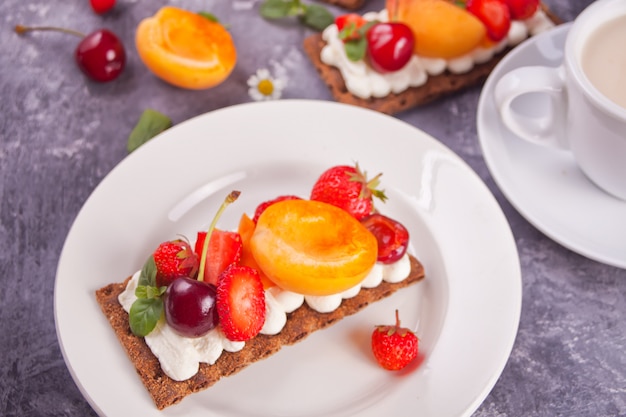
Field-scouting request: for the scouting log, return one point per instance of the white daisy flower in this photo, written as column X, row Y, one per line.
column 265, row 87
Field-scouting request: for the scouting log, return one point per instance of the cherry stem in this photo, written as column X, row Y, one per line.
column 205, row 247
column 20, row 30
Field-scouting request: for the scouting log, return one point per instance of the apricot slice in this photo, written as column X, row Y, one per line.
column 312, row 248
column 441, row 29
column 245, row 230
column 185, row 49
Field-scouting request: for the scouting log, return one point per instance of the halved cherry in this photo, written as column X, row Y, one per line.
column 392, row 237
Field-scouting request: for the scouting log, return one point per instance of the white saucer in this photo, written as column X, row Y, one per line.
column 545, row 185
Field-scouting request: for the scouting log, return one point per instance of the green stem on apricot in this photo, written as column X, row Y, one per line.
column 20, row 30
column 205, row 247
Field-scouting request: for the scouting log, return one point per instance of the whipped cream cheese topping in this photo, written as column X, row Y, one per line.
column 180, row 356
column 362, row 81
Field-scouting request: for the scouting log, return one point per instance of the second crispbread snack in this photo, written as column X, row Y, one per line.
column 346, row 4
column 301, row 323
column 437, row 86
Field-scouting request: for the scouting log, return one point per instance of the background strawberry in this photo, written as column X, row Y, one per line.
column 174, row 259
column 261, row 207
column 240, row 303
column 394, row 347
column 522, row 9
column 348, row 188
column 495, row 16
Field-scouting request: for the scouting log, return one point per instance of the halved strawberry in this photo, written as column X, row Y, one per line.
column 224, row 249
column 240, row 303
column 348, row 25
column 495, row 16
column 522, row 9
column 174, row 259
column 261, row 207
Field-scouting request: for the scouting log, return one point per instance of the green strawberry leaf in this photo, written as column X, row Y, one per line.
column 144, row 315
column 150, row 124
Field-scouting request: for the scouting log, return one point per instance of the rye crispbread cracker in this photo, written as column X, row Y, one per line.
column 346, row 4
column 436, row 87
column 301, row 323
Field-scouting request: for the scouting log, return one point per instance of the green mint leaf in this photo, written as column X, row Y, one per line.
column 355, row 50
column 317, row 17
column 366, row 27
column 147, row 291
column 275, row 9
column 141, row 291
column 209, row 16
column 150, row 124
column 144, row 315
column 147, row 277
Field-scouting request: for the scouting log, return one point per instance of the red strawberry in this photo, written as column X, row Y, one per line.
column 174, row 259
column 394, row 347
column 261, row 207
column 348, row 188
column 495, row 16
column 522, row 9
column 240, row 303
column 348, row 25
column 224, row 249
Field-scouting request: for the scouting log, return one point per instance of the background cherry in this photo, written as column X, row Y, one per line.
column 102, row 6
column 100, row 55
column 389, row 46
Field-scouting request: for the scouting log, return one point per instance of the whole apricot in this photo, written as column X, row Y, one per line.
column 312, row 248
column 186, row 49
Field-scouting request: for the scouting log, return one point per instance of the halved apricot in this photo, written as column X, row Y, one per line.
column 245, row 230
column 312, row 248
column 441, row 28
column 185, row 49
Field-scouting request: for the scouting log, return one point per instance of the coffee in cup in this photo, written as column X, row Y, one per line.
column 587, row 94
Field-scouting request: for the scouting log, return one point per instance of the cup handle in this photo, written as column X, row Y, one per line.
column 547, row 129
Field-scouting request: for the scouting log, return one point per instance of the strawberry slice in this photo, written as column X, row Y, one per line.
column 224, row 249
column 240, row 303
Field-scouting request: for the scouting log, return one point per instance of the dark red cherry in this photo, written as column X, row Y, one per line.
column 102, row 6
column 392, row 237
column 190, row 307
column 101, row 55
column 389, row 46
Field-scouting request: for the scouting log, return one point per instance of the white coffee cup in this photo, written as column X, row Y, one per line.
column 582, row 119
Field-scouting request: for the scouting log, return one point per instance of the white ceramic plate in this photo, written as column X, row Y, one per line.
column 545, row 185
column 466, row 311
